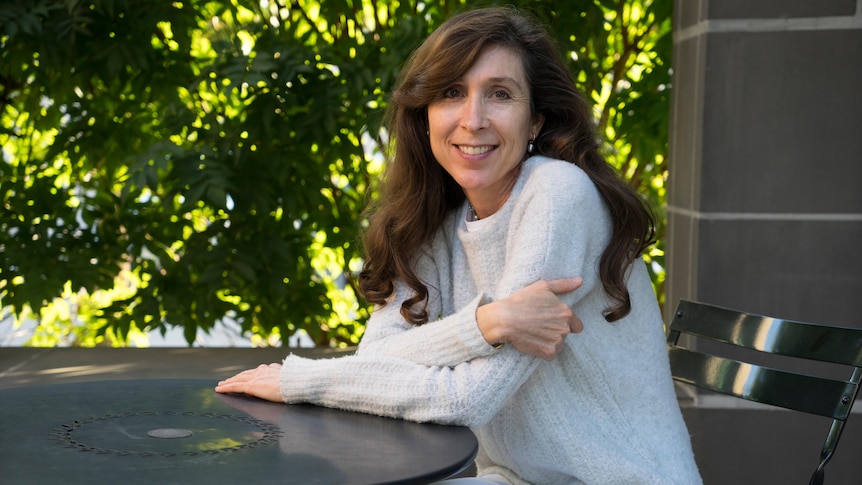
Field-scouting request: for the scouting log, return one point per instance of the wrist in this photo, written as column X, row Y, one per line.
column 490, row 324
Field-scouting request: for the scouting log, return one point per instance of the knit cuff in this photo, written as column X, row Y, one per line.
column 298, row 382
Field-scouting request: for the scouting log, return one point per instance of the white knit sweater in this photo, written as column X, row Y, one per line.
column 603, row 412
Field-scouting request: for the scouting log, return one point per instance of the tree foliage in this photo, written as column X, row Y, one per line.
column 179, row 163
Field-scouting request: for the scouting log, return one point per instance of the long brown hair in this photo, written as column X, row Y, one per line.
column 416, row 193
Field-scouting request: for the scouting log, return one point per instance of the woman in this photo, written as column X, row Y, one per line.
column 495, row 195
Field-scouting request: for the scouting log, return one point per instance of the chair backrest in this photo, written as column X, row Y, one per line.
column 754, row 382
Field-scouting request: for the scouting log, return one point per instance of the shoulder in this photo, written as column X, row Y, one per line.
column 558, row 182
column 556, row 201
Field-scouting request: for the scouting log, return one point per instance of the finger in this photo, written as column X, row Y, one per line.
column 565, row 285
column 244, row 375
column 549, row 353
column 248, row 374
column 575, row 324
column 225, row 387
column 233, row 380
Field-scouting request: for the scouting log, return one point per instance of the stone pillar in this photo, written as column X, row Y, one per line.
column 765, row 203
column 765, row 190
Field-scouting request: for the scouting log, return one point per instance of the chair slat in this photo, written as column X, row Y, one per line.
column 783, row 337
column 814, row 395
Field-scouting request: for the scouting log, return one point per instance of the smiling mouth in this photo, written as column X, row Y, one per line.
column 470, row 150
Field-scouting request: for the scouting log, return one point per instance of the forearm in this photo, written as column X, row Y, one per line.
column 468, row 394
column 446, row 342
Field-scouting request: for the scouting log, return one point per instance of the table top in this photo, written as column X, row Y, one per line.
column 181, row 431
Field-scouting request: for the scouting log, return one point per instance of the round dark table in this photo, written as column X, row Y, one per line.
column 181, row 431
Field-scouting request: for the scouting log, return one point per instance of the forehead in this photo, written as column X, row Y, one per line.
column 498, row 62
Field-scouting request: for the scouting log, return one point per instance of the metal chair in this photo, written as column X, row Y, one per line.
column 785, row 388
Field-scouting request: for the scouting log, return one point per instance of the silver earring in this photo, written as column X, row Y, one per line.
column 530, row 147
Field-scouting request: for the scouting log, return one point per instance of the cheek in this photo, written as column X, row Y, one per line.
column 437, row 120
column 438, row 131
column 438, row 149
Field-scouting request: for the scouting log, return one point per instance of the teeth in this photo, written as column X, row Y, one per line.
column 474, row 150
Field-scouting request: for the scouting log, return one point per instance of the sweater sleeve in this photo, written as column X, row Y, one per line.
column 540, row 245
column 445, row 341
column 468, row 394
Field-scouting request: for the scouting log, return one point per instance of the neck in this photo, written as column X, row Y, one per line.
column 483, row 206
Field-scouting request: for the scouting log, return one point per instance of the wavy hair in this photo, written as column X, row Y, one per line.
column 416, row 193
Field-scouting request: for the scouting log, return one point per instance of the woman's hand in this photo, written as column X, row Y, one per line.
column 534, row 320
column 262, row 382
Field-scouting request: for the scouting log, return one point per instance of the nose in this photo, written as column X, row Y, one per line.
column 474, row 116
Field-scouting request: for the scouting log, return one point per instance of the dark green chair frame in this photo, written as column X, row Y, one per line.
column 788, row 389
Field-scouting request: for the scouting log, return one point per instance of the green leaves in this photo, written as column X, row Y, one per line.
column 179, row 163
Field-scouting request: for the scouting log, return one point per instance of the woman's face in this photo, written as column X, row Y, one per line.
column 481, row 125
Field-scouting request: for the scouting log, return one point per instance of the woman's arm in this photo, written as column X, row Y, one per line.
column 533, row 320
column 468, row 394
column 561, row 232
column 443, row 342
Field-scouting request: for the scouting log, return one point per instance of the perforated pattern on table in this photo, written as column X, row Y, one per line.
column 165, row 434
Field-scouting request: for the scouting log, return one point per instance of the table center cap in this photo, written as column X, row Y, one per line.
column 169, row 433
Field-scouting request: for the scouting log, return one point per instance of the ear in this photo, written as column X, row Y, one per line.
column 536, row 125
